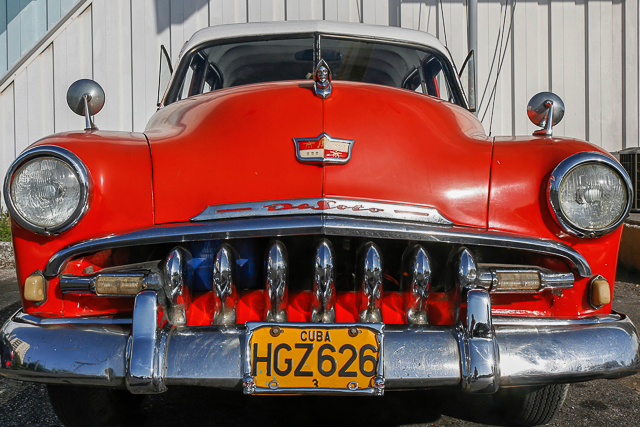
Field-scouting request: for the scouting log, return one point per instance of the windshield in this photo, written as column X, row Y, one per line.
column 255, row 61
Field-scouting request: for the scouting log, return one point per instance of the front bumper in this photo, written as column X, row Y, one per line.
column 145, row 354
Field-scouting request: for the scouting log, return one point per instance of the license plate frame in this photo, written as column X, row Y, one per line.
column 375, row 387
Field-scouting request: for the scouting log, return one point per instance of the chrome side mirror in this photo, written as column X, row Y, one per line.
column 467, row 77
column 86, row 98
column 546, row 110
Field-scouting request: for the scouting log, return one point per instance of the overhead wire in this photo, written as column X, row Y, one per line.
column 499, row 39
column 444, row 26
column 501, row 63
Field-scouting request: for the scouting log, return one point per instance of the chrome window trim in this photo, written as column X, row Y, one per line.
column 77, row 166
column 320, row 224
column 557, row 177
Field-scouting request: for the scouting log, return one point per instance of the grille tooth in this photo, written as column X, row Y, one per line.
column 419, row 286
column 324, row 288
column 224, row 287
column 466, row 272
column 174, row 272
column 370, row 281
column 277, row 266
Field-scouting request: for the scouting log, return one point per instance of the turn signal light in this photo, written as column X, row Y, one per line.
column 34, row 287
column 600, row 292
column 119, row 284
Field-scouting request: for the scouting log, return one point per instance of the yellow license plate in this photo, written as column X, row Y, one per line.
column 308, row 358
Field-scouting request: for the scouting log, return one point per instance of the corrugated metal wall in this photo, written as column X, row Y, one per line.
column 586, row 51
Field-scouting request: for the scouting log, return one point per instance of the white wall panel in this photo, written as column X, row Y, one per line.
column 266, row 10
column 72, row 60
column 494, row 54
column 7, row 143
column 187, row 17
column 420, row 15
column 21, row 111
column 568, row 62
column 375, row 12
column 152, row 31
column 227, row 11
column 40, row 102
column 343, row 10
column 7, row 125
column 631, row 75
column 112, row 62
column 304, row 10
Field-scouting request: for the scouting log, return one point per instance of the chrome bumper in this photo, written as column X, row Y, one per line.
column 147, row 357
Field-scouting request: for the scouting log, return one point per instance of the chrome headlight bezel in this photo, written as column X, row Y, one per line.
column 78, row 168
column 567, row 166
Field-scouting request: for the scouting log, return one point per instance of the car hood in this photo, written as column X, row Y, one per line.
column 236, row 146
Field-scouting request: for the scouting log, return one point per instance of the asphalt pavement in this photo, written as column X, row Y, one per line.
column 591, row 404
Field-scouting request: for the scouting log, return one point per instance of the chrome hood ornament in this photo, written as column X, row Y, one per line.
column 322, row 80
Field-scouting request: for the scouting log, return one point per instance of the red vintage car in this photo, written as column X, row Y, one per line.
column 313, row 209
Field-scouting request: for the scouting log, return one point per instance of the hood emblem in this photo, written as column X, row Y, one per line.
column 322, row 80
column 323, row 149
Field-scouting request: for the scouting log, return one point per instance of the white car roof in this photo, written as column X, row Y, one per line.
column 379, row 32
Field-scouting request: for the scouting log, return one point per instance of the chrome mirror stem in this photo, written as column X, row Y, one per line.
column 89, row 125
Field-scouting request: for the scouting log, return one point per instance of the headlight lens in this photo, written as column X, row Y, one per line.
column 592, row 196
column 45, row 192
column 46, row 189
column 589, row 194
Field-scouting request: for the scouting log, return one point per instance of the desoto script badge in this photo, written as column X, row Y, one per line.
column 323, row 149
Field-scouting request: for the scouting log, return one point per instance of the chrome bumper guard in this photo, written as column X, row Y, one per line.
column 146, row 354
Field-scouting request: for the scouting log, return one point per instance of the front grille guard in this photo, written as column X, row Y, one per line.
column 321, row 224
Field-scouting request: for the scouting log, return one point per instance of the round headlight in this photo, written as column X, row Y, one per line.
column 589, row 194
column 46, row 189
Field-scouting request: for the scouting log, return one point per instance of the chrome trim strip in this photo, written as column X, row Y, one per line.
column 320, row 224
column 76, row 165
column 341, row 207
column 541, row 321
column 20, row 316
column 562, row 170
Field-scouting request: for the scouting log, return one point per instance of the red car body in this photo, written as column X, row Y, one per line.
column 233, row 146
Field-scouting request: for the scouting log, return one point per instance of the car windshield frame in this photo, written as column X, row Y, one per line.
column 448, row 68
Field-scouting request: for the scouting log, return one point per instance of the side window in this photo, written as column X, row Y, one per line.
column 436, row 81
column 187, row 84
